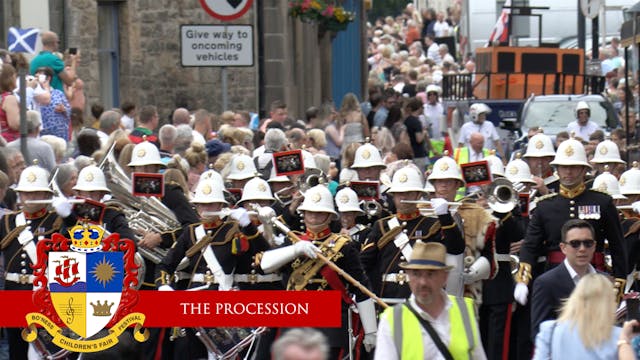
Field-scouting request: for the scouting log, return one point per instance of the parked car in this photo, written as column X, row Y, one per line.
column 553, row 113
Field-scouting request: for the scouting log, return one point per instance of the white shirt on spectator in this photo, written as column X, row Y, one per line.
column 127, row 122
column 434, row 115
column 442, row 29
column 433, row 53
column 582, row 131
column 486, row 129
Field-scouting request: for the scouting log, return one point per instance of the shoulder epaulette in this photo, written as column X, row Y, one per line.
column 545, row 197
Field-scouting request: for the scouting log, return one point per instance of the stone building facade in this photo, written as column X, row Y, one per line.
column 130, row 50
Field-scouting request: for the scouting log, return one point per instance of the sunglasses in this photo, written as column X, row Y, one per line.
column 576, row 243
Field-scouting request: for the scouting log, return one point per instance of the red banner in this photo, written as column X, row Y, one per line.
column 209, row 308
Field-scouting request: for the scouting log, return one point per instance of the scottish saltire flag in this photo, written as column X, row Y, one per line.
column 23, row 40
column 500, row 31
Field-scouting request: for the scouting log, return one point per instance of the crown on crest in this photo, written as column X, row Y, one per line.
column 86, row 238
column 102, row 309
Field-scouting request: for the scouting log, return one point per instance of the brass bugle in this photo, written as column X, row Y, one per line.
column 49, row 201
column 452, row 203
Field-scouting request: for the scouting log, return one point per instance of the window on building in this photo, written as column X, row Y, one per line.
column 108, row 55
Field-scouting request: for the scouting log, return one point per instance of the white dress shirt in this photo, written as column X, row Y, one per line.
column 574, row 275
column 582, row 131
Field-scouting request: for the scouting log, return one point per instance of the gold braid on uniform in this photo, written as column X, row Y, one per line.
column 618, row 288
column 10, row 236
column 164, row 278
column 524, row 273
column 388, row 236
column 206, row 240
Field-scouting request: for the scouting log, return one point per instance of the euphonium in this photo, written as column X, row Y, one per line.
column 371, row 208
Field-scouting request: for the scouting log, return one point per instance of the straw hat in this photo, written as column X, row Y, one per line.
column 427, row 256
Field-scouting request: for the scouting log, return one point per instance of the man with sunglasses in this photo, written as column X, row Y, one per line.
column 578, row 246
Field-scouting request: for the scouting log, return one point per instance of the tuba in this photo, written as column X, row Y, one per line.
column 501, row 196
column 144, row 214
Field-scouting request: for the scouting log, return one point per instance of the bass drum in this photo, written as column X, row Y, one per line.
column 142, row 269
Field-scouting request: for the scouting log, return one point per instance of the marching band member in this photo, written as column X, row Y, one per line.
column 213, row 247
column 608, row 154
column 19, row 233
column 392, row 238
column 539, row 154
column 239, row 170
column 349, row 209
column 630, row 187
column 369, row 166
column 543, row 233
column 304, row 271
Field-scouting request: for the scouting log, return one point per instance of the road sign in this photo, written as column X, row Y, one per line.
column 216, row 45
column 226, row 10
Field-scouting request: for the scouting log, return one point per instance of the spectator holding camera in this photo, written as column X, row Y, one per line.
column 48, row 58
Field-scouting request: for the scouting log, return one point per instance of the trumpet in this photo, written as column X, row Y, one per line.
column 50, row 201
column 501, row 196
column 306, row 181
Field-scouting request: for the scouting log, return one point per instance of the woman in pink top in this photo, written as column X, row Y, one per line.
column 9, row 109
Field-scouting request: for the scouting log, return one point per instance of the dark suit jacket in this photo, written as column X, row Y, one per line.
column 548, row 291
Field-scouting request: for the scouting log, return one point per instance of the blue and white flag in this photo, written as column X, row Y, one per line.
column 23, row 40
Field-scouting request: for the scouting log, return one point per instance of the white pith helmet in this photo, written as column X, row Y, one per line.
column 434, row 88
column 609, row 184
column 477, row 109
column 91, row 178
column 347, row 200
column 406, row 179
column 241, row 167
column 540, row 145
column 34, row 178
column 145, row 153
column 256, row 189
column 630, row 181
column 213, row 175
column 607, row 152
column 445, row 168
column 495, row 164
column 367, row 156
column 428, row 187
column 318, row 199
column 571, row 152
column 517, row 171
column 208, row 191
column 582, row 105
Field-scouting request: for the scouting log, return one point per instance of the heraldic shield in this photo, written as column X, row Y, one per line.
column 86, row 283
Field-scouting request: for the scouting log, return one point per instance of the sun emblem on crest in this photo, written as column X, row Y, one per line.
column 31, row 177
column 206, row 189
column 141, row 153
column 569, row 151
column 603, row 150
column 366, row 154
column 344, row 199
column 444, row 166
column 403, row 178
column 89, row 177
column 316, row 198
column 623, row 180
column 539, row 144
column 513, row 170
column 240, row 165
column 262, row 188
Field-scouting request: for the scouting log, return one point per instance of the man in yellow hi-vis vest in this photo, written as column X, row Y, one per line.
column 431, row 324
column 475, row 151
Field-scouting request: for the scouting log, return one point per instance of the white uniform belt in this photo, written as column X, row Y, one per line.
column 256, row 278
column 19, row 278
column 396, row 278
column 202, row 278
column 503, row 257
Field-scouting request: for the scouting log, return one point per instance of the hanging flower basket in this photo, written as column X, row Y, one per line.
column 326, row 14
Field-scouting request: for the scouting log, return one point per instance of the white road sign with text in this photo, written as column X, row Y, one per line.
column 216, row 45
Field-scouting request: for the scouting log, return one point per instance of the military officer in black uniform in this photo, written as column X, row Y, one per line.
column 213, row 247
column 391, row 239
column 574, row 200
column 368, row 163
column 630, row 187
column 302, row 269
column 19, row 233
